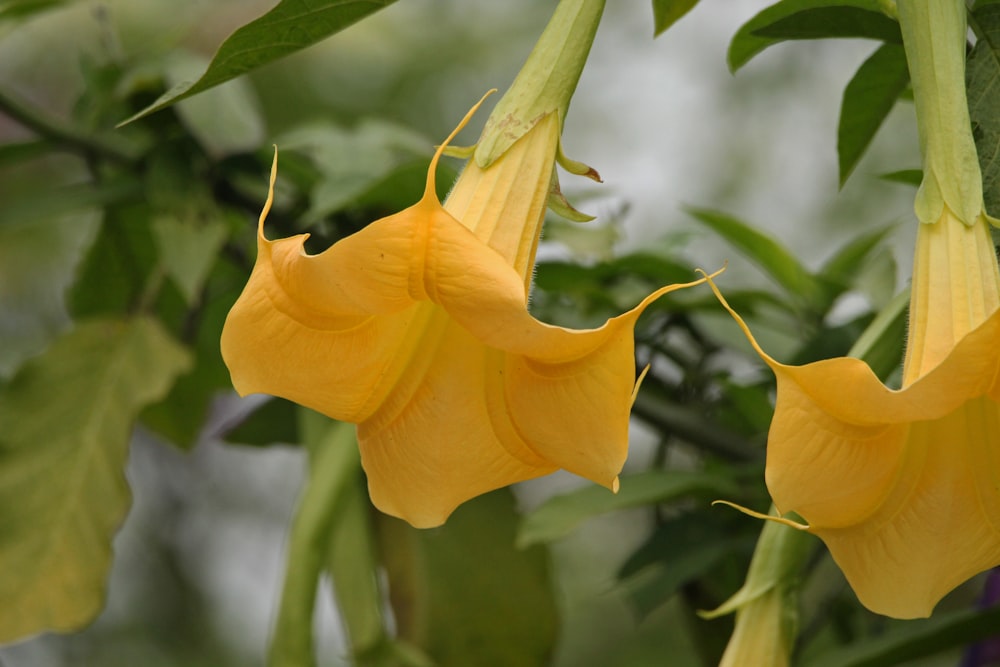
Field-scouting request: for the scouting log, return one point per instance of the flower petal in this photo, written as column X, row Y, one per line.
column 569, row 392
column 443, row 437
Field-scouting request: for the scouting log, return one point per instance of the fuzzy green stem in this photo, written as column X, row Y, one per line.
column 546, row 82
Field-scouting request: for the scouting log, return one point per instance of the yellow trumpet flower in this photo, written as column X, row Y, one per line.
column 903, row 485
column 416, row 329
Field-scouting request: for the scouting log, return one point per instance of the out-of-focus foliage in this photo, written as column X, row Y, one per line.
column 122, row 250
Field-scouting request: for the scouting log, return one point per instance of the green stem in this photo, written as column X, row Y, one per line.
column 333, row 463
column 61, row 133
column 934, row 37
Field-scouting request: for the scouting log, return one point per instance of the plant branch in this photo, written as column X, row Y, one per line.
column 61, row 133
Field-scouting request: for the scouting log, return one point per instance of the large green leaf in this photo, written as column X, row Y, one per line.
column 668, row 12
column 65, row 422
column 560, row 515
column 464, row 594
column 810, row 19
column 291, row 26
column 775, row 259
column 868, row 99
column 983, row 80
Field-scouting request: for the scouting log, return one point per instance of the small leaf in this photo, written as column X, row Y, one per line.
column 668, row 12
column 983, row 81
column 560, row 515
column 905, row 176
column 776, row 260
column 291, row 26
column 868, row 99
column 810, row 19
column 188, row 248
column 65, row 423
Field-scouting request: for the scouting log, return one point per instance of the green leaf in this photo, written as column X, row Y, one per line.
column 38, row 259
column 843, row 267
column 810, row 19
column 65, row 423
column 904, row 176
column 680, row 550
column 275, row 421
column 983, row 81
column 915, row 640
column 560, row 515
column 868, row 99
column 291, row 26
column 767, row 253
column 224, row 120
column 188, row 248
column 668, row 12
column 463, row 590
column 118, row 265
column 20, row 9
column 351, row 162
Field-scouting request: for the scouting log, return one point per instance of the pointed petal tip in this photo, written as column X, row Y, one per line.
column 430, row 190
column 766, row 517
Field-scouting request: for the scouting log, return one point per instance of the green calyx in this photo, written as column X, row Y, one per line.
column 546, row 82
column 934, row 36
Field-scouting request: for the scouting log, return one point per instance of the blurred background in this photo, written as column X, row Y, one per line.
column 200, row 559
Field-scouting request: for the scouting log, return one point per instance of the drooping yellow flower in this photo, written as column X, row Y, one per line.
column 903, row 485
column 416, row 329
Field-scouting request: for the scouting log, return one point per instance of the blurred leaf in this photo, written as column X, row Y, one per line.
column 843, row 267
column 275, row 421
column 680, row 550
column 776, row 260
column 668, row 12
column 983, row 80
column 868, row 99
column 65, row 423
column 188, row 248
column 119, row 264
column 915, row 640
column 38, row 260
column 224, row 120
column 464, row 594
column 69, row 199
column 181, row 416
column 290, row 26
column 20, row 9
column 584, row 241
column 352, row 162
column 14, row 153
column 905, row 176
column 810, row 19
column 560, row 515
